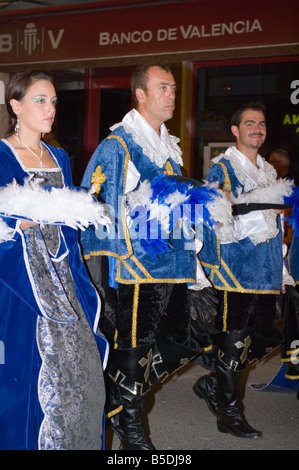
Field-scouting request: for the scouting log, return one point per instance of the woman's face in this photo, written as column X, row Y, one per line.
column 36, row 111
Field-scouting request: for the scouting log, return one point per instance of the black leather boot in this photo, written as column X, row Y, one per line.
column 130, row 423
column 234, row 350
column 230, row 417
column 129, row 369
column 168, row 356
column 206, row 387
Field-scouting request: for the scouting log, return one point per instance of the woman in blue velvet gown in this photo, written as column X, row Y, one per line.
column 51, row 374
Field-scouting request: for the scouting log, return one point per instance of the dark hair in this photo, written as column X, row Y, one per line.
column 17, row 88
column 140, row 77
column 237, row 115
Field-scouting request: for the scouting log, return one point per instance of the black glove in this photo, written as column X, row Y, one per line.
column 203, row 310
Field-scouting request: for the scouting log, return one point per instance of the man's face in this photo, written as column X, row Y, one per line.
column 157, row 103
column 251, row 133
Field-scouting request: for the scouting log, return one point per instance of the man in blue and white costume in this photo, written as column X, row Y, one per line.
column 152, row 322
column 246, row 268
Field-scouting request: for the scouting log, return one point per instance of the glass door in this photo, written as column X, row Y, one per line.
column 90, row 101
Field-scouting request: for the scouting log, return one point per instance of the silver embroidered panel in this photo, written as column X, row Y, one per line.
column 71, row 386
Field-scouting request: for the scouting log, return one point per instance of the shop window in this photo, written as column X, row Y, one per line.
column 221, row 89
column 114, row 104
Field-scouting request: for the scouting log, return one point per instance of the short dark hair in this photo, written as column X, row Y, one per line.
column 237, row 115
column 140, row 76
column 17, row 88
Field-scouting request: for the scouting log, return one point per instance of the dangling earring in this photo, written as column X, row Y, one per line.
column 17, row 127
column 43, row 135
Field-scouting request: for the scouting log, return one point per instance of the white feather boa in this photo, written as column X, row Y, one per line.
column 273, row 194
column 246, row 225
column 218, row 207
column 75, row 208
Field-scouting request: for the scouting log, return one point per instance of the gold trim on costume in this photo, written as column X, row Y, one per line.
column 291, row 377
column 134, row 316
column 97, row 179
column 225, row 308
column 107, row 253
column 148, row 278
column 219, row 251
column 208, row 348
column 292, row 351
column 169, row 170
column 141, row 267
column 232, row 277
column 238, row 288
column 217, row 273
column 115, row 339
column 123, row 215
column 114, row 412
column 227, row 184
column 246, row 291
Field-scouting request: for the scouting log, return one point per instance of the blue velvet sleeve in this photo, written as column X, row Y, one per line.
column 216, row 174
column 106, row 171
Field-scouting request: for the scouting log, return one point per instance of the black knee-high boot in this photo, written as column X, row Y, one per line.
column 129, row 369
column 230, row 417
column 232, row 357
column 206, row 387
column 235, row 349
column 131, row 424
column 168, row 356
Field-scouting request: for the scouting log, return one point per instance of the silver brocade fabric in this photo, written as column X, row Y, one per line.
column 71, row 386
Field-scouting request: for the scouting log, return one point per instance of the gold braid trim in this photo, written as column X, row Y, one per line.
column 225, row 308
column 134, row 316
column 291, row 377
column 123, row 216
column 114, row 412
column 227, row 184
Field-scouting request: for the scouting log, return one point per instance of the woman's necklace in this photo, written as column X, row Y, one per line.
column 33, row 153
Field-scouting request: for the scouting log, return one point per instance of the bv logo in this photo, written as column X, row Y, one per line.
column 30, row 40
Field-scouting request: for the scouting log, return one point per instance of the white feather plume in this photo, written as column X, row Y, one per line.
column 141, row 196
column 176, row 199
column 273, row 194
column 221, row 212
column 60, row 206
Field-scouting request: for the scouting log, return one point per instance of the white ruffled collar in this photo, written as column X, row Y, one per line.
column 157, row 148
column 247, row 173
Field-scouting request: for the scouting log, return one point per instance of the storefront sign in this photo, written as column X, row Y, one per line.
column 187, row 26
column 292, row 119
